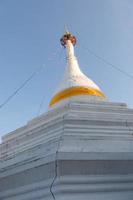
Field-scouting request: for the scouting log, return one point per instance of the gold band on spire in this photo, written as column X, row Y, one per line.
column 76, row 90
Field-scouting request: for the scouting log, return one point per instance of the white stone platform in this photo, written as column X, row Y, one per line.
column 81, row 149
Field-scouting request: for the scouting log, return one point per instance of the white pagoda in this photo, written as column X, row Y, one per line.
column 80, row 149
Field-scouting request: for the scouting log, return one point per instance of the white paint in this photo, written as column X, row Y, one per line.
column 87, row 131
column 73, row 75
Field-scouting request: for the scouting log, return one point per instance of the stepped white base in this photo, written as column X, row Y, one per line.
column 85, row 147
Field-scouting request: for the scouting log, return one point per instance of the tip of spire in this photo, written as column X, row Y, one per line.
column 66, row 29
column 75, row 83
column 67, row 36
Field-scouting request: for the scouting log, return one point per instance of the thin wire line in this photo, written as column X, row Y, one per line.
column 25, row 82
column 59, row 58
column 107, row 62
column 22, row 86
column 40, row 106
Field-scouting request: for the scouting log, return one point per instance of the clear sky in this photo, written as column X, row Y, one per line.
column 29, row 38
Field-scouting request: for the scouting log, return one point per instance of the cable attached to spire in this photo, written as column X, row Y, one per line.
column 107, row 62
column 43, row 98
column 25, row 82
column 22, row 86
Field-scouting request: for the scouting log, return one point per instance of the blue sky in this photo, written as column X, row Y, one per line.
column 29, row 38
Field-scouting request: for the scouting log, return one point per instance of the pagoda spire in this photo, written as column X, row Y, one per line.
column 75, row 82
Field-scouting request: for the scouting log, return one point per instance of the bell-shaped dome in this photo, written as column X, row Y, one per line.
column 75, row 82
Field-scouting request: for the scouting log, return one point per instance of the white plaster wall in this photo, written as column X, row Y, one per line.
column 79, row 134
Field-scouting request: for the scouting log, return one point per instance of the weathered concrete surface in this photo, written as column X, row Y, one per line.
column 78, row 150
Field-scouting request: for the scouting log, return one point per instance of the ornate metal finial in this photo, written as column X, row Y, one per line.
column 67, row 36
